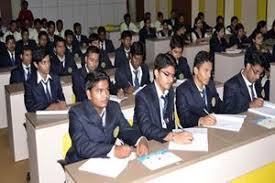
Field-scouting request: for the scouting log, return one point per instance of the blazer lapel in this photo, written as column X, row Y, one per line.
column 244, row 89
column 155, row 100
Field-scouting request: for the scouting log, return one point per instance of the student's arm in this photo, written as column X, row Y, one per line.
column 13, row 77
column 77, row 88
column 121, row 79
column 85, row 147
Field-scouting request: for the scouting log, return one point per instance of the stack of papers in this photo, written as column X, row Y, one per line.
column 234, row 51
column 116, row 99
column 199, row 143
column 159, row 159
column 46, row 112
column 268, row 110
column 228, row 122
column 268, row 123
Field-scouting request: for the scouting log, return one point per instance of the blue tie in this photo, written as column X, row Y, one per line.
column 48, row 95
column 28, row 73
column 204, row 97
column 165, row 109
column 12, row 59
column 136, row 82
column 252, row 92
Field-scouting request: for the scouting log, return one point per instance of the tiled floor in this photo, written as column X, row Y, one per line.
column 10, row 172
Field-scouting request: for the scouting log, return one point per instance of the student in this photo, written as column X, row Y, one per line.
column 147, row 31
column 97, row 123
column 219, row 21
column 43, row 42
column 44, row 23
column 239, row 38
column 9, row 57
column 271, row 32
column 197, row 97
column 25, row 41
column 147, row 15
column 25, row 70
column 176, row 50
column 59, row 29
column 69, row 38
column 37, row 28
column 159, row 22
column 91, row 65
column 62, row 64
column 205, row 26
column 173, row 17
column 135, row 73
column 105, row 44
column 198, row 34
column 262, row 27
column 127, row 25
column 180, row 30
column 240, row 92
column 165, row 31
column 154, row 105
column 43, row 91
column 123, row 52
column 230, row 29
column 79, row 38
column 12, row 31
column 181, row 20
column 51, row 31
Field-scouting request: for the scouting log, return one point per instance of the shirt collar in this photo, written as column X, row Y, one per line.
column 26, row 66
column 159, row 92
column 200, row 90
column 61, row 59
column 132, row 68
column 248, row 83
column 40, row 78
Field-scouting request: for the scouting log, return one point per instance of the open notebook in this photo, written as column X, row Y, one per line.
column 268, row 110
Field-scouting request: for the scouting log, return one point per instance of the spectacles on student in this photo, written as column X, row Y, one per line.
column 256, row 72
column 168, row 75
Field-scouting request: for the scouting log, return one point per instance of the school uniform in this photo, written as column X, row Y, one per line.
column 131, row 27
column 94, row 135
column 122, row 56
column 80, row 39
column 126, row 76
column 182, row 69
column 154, row 112
column 107, row 46
column 63, row 66
column 240, row 42
column 40, row 93
column 193, row 102
column 22, row 73
column 9, row 59
column 238, row 93
column 20, row 45
column 146, row 33
column 270, row 34
column 217, row 45
column 195, row 35
column 16, row 35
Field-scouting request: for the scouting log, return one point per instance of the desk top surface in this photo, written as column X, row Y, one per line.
column 219, row 141
column 231, row 54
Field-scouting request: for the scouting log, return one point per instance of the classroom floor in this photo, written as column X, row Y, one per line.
column 10, row 172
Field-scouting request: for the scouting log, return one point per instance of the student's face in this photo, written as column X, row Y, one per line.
column 78, row 30
column 181, row 31
column 259, row 39
column 92, row 61
column 44, row 66
column 221, row 33
column 99, row 94
column 136, row 61
column 59, row 26
column 51, row 29
column 13, row 27
column 26, row 57
column 177, row 52
column 165, row 77
column 25, row 36
column 69, row 40
column 220, row 20
column 27, row 24
column 148, row 23
column 264, row 30
column 160, row 18
column 127, row 20
column 10, row 45
column 199, row 24
column 44, row 24
column 60, row 48
column 181, row 19
column 127, row 42
column 240, row 32
column 203, row 73
column 43, row 41
column 102, row 36
column 253, row 72
column 37, row 26
column 235, row 22
column 95, row 43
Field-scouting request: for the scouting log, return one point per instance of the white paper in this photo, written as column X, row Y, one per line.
column 228, row 122
column 233, row 51
column 199, row 142
column 267, row 123
column 159, row 159
column 128, row 113
column 116, row 99
column 268, row 110
column 56, row 112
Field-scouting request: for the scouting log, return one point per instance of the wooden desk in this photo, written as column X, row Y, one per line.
column 272, row 82
column 227, row 65
column 236, row 153
column 4, row 80
column 16, row 116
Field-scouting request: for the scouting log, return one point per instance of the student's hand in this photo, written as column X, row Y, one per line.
column 120, row 93
column 122, row 151
column 258, row 102
column 142, row 147
column 207, row 120
column 130, row 89
column 57, row 106
column 183, row 138
column 234, row 47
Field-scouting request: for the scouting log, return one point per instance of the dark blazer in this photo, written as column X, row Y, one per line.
column 120, row 58
column 104, row 60
column 5, row 60
column 270, row 34
column 236, row 96
column 57, row 67
column 217, row 46
column 35, row 97
column 18, row 74
column 19, row 45
column 183, row 69
column 2, row 47
column 83, row 39
column 190, row 105
column 147, row 113
column 252, row 49
column 145, row 34
column 109, row 46
column 78, row 80
column 90, row 139
column 123, row 76
column 234, row 40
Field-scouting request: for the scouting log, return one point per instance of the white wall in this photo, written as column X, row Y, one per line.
column 88, row 12
column 270, row 13
column 210, row 11
column 249, row 15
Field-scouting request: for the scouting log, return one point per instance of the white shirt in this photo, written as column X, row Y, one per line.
column 17, row 35
column 26, row 71
column 12, row 54
column 127, row 52
column 34, row 35
column 131, row 27
column 139, row 75
column 41, row 79
column 248, row 83
column 161, row 103
column 103, row 117
column 103, row 45
column 62, row 60
column 61, row 34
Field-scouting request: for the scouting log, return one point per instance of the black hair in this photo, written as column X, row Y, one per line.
column 10, row 37
column 234, row 18
column 137, row 48
column 42, row 33
column 26, row 48
column 68, row 32
column 36, row 21
column 92, row 49
column 261, row 24
column 127, row 15
column 12, row 21
column 126, row 34
column 93, row 37
column 101, row 29
column 257, row 58
column 77, row 24
column 23, row 30
column 176, row 42
column 218, row 27
column 255, row 33
column 160, row 14
column 39, row 54
column 93, row 78
column 200, row 14
column 218, row 18
column 164, row 60
column 238, row 27
column 59, row 21
column 57, row 40
column 50, row 23
column 178, row 27
column 202, row 57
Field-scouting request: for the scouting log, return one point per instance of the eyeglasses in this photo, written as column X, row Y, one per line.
column 168, row 75
column 256, row 72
